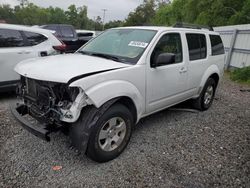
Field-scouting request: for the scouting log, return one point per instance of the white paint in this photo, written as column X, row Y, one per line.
column 151, row 89
column 11, row 56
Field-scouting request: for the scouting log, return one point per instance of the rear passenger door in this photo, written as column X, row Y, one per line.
column 197, row 51
column 13, row 49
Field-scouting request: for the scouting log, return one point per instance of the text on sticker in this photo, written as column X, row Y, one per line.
column 138, row 44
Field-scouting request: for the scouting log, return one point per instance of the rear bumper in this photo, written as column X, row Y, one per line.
column 40, row 130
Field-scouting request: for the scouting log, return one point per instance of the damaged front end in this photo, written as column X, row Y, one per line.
column 51, row 104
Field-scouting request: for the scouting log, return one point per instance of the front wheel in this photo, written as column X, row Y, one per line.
column 110, row 134
column 205, row 100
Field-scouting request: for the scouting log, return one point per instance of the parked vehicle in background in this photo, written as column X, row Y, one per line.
column 119, row 77
column 85, row 33
column 69, row 36
column 18, row 43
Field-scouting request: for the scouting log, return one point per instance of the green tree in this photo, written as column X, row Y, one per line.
column 113, row 24
column 7, row 13
column 56, row 15
column 82, row 18
column 71, row 14
column 142, row 14
column 212, row 12
column 31, row 15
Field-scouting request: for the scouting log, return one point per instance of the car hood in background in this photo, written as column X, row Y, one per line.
column 62, row 68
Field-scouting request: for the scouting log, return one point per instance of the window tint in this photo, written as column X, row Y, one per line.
column 169, row 43
column 203, row 45
column 52, row 28
column 34, row 38
column 67, row 31
column 217, row 45
column 11, row 38
column 197, row 46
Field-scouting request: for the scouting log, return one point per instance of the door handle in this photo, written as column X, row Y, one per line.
column 183, row 70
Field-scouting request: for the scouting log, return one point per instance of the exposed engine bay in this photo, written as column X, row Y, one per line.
column 51, row 102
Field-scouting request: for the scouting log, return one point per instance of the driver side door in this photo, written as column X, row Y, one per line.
column 167, row 84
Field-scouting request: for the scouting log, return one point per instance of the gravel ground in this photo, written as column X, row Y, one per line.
column 167, row 149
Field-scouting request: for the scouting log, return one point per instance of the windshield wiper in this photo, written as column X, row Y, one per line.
column 83, row 52
column 106, row 56
column 114, row 58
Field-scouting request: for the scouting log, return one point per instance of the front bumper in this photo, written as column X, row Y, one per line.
column 41, row 130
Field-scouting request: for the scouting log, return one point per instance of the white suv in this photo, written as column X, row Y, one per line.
column 100, row 92
column 18, row 43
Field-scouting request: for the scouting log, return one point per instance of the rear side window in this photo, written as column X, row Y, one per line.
column 11, row 38
column 34, row 38
column 67, row 31
column 197, row 46
column 217, row 45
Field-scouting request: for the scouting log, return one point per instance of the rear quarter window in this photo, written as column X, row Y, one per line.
column 217, row 45
column 11, row 38
column 34, row 38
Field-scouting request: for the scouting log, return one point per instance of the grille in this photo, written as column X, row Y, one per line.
column 31, row 87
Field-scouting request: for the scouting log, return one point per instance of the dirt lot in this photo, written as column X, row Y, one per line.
column 168, row 149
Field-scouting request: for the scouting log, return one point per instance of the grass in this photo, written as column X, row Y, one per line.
column 241, row 75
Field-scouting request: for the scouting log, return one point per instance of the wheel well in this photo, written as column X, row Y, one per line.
column 215, row 77
column 126, row 101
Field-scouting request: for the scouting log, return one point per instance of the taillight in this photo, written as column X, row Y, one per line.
column 60, row 48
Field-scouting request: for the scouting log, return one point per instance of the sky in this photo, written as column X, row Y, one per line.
column 116, row 9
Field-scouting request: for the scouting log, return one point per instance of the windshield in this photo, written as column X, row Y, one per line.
column 124, row 45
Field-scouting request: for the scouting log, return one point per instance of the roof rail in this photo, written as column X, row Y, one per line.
column 192, row 26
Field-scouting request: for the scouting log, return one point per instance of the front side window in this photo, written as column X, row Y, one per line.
column 34, row 38
column 11, row 38
column 197, row 46
column 217, row 45
column 169, row 43
column 127, row 45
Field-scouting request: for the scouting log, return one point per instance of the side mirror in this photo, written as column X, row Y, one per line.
column 163, row 59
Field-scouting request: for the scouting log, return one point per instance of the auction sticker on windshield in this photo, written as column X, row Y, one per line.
column 138, row 44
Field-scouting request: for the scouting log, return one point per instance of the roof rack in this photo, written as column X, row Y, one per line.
column 192, row 26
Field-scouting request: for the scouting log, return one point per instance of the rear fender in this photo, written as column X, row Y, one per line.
column 211, row 70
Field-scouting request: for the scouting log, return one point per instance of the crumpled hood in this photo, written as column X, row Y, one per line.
column 62, row 68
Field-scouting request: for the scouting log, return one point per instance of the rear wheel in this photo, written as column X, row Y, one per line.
column 205, row 100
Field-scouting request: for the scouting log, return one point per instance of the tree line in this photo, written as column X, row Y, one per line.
column 150, row 12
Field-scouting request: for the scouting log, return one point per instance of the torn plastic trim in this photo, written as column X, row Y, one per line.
column 72, row 114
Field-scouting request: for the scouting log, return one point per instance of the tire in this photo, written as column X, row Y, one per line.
column 205, row 100
column 103, row 150
column 90, row 124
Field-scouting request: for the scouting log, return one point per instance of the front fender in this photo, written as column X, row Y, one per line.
column 105, row 91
